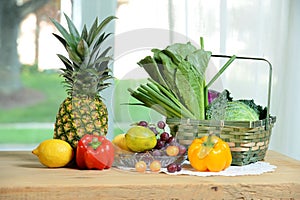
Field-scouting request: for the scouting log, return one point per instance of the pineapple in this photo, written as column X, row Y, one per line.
column 86, row 74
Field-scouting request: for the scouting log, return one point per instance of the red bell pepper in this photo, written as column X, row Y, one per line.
column 94, row 152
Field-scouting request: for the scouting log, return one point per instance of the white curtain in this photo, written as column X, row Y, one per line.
column 256, row 28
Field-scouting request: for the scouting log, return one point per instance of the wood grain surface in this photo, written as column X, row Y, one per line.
column 23, row 177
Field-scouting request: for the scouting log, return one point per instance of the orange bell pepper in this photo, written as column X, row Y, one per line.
column 209, row 153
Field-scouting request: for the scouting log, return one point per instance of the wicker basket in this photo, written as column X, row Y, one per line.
column 248, row 140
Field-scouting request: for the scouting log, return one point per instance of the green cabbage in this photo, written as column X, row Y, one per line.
column 239, row 111
column 224, row 108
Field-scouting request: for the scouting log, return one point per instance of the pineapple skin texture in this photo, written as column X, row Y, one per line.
column 78, row 116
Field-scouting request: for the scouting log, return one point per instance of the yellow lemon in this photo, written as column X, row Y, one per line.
column 120, row 141
column 139, row 139
column 54, row 153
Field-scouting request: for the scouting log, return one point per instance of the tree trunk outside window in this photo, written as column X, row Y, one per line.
column 11, row 15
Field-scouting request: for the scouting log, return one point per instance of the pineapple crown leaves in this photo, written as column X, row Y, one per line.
column 87, row 67
column 79, row 45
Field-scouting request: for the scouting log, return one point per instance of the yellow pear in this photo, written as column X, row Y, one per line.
column 140, row 139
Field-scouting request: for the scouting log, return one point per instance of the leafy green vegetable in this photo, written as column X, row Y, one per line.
column 178, row 73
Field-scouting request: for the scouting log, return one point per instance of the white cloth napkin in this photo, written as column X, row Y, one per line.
column 251, row 169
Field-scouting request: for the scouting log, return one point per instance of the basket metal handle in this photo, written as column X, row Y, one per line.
column 269, row 82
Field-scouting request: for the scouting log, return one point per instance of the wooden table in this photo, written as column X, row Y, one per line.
column 23, row 177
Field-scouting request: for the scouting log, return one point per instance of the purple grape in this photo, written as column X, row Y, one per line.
column 143, row 123
column 172, row 168
column 160, row 144
column 182, row 149
column 161, row 124
column 178, row 167
column 171, row 139
column 156, row 153
column 164, row 136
